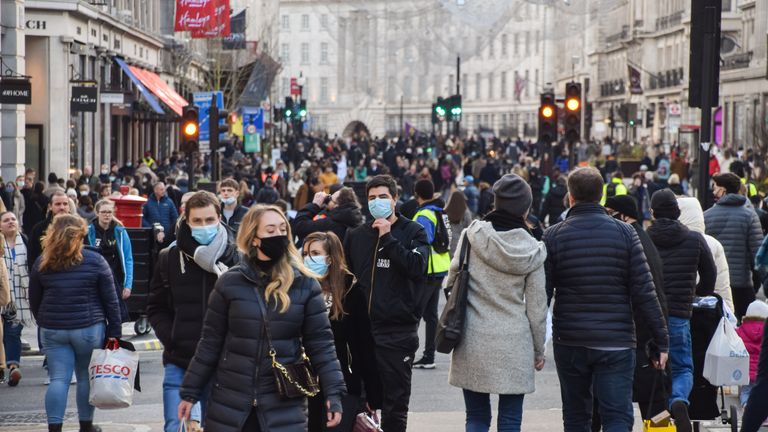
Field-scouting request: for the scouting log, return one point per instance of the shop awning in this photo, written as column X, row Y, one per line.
column 161, row 89
column 146, row 93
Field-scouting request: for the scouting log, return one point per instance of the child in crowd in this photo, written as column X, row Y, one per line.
column 751, row 332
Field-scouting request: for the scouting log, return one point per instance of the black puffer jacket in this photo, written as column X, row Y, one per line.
column 338, row 220
column 178, row 298
column 598, row 273
column 234, row 352
column 737, row 227
column 683, row 252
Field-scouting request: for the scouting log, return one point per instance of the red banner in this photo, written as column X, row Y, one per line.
column 220, row 23
column 194, row 15
column 295, row 89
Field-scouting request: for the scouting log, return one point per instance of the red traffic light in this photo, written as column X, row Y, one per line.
column 232, row 118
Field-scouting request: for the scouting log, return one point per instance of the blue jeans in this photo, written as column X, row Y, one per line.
column 12, row 342
column 478, row 407
column 680, row 359
column 68, row 351
column 174, row 375
column 610, row 373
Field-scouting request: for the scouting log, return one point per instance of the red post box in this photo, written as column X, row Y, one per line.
column 128, row 209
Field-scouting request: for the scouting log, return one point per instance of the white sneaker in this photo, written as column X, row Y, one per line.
column 74, row 379
column 47, row 380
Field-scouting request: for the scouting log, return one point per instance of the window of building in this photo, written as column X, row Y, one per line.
column 527, row 42
column 324, row 22
column 304, row 53
column 504, row 85
column 422, row 95
column 491, row 49
column 490, row 86
column 324, row 89
column 391, row 89
column 504, row 43
column 478, row 84
column 478, row 45
column 407, row 88
column 285, row 53
column 527, row 80
column 324, row 52
column 285, row 86
column 537, row 41
column 286, row 22
column 305, row 22
column 516, row 44
column 451, row 84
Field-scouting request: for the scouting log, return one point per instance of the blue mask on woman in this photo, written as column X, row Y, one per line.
column 380, row 208
column 205, row 234
column 317, row 264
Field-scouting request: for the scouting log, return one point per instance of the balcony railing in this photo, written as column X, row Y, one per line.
column 737, row 61
column 616, row 37
column 669, row 21
column 612, row 88
column 666, row 79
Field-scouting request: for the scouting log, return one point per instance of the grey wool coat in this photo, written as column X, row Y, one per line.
column 506, row 311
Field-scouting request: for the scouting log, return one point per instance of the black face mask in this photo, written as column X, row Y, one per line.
column 274, row 247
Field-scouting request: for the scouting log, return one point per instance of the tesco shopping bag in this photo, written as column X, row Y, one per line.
column 112, row 372
column 727, row 360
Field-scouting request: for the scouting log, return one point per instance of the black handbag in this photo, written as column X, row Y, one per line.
column 293, row 380
column 450, row 328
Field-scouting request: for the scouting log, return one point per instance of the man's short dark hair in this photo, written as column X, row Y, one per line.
column 424, row 189
column 202, row 199
column 52, row 178
column 347, row 196
column 729, row 181
column 382, row 180
column 230, row 183
column 585, row 185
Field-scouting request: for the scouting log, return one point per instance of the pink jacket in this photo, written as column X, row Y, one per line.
column 751, row 332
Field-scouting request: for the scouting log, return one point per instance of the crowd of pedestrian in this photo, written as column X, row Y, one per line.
column 333, row 254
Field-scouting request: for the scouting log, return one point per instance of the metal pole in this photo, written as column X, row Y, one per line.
column 457, row 123
column 708, row 81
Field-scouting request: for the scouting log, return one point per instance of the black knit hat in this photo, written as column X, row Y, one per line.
column 624, row 204
column 512, row 195
column 664, row 205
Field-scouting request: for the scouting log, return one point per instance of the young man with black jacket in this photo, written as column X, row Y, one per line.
column 184, row 277
column 685, row 254
column 390, row 275
column 231, row 210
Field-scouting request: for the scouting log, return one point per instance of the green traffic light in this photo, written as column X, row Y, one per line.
column 440, row 111
column 288, row 113
column 456, row 111
column 303, row 113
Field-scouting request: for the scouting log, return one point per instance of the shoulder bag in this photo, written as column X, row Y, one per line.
column 450, row 328
column 293, row 380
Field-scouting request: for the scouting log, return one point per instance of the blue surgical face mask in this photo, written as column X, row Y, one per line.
column 204, row 234
column 380, row 208
column 228, row 201
column 317, row 264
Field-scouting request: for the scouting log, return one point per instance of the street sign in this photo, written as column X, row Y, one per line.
column 203, row 101
column 674, row 109
column 112, row 98
column 254, row 116
column 252, row 142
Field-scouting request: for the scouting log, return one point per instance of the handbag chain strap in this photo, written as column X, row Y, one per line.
column 273, row 353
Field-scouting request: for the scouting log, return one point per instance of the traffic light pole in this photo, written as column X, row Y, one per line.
column 457, row 123
column 708, row 81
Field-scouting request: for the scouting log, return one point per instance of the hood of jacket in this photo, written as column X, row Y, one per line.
column 513, row 252
column 667, row 232
column 732, row 200
column 347, row 214
column 691, row 214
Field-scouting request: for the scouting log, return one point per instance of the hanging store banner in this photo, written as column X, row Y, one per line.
column 635, row 81
column 194, row 15
column 15, row 91
column 84, row 99
column 236, row 39
column 220, row 24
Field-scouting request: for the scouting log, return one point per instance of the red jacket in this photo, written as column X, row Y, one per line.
column 751, row 332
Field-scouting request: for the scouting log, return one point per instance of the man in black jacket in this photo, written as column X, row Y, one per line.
column 390, row 274
column 343, row 213
column 231, row 210
column 184, row 277
column 684, row 253
column 597, row 273
column 59, row 204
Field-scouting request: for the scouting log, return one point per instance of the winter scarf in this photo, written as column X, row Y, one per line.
column 503, row 221
column 18, row 310
column 206, row 256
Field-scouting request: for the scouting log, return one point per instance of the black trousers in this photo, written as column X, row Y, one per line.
column 252, row 422
column 395, row 372
column 432, row 286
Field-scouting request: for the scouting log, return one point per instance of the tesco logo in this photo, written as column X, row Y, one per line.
column 107, row 369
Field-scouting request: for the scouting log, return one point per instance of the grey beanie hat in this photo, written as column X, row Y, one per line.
column 512, row 195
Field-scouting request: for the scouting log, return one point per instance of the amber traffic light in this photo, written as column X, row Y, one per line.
column 190, row 129
column 548, row 118
column 572, row 111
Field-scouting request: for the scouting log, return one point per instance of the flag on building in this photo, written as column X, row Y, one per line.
column 519, row 87
column 635, row 80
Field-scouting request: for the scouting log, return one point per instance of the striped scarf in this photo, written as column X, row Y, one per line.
column 18, row 311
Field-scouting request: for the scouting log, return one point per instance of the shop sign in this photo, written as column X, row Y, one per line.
column 112, row 98
column 15, row 91
column 84, row 99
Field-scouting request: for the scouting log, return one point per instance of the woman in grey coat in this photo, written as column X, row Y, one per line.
column 503, row 340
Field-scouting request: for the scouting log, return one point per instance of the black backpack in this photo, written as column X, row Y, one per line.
column 610, row 190
column 442, row 241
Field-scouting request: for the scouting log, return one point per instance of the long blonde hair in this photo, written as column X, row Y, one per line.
column 63, row 243
column 282, row 276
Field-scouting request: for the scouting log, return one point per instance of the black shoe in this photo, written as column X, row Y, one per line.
column 680, row 414
column 87, row 426
column 424, row 363
column 54, row 427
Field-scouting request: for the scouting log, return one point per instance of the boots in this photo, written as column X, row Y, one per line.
column 54, row 427
column 87, row 426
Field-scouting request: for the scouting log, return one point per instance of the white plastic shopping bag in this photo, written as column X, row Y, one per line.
column 727, row 360
column 112, row 373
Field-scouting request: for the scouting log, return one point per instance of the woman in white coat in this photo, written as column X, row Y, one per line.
column 692, row 216
column 503, row 340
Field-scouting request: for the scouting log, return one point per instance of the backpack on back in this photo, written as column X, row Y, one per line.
column 442, row 242
column 610, row 190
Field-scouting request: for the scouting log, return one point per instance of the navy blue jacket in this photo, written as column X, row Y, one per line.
column 163, row 212
column 598, row 273
column 76, row 298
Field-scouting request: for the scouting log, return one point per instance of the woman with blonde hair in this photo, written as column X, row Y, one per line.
column 269, row 309
column 108, row 235
column 72, row 297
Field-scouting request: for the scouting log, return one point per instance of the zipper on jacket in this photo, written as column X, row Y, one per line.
column 373, row 274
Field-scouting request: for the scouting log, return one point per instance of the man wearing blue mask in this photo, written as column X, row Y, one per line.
column 231, row 210
column 185, row 274
column 389, row 259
